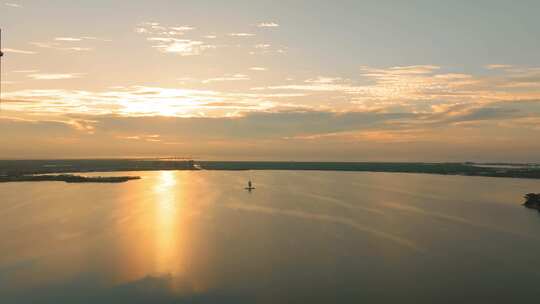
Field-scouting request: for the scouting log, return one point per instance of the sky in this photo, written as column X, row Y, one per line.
column 271, row 80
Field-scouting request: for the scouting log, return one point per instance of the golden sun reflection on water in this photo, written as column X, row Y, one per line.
column 169, row 202
column 166, row 209
column 153, row 237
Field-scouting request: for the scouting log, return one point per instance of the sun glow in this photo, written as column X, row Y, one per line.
column 168, row 200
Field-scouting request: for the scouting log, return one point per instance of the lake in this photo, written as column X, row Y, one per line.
column 299, row 237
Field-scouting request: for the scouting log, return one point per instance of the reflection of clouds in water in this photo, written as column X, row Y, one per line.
column 328, row 218
column 455, row 219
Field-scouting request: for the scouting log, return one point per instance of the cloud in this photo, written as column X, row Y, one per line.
column 399, row 70
column 15, row 5
column 142, row 101
column 312, row 125
column 17, row 51
column 241, row 34
column 182, row 47
column 183, row 28
column 314, row 87
column 260, row 124
column 164, row 39
column 46, row 127
column 407, row 102
column 262, row 46
column 25, row 71
column 96, row 38
column 460, row 133
column 267, row 24
column 417, row 88
column 320, row 84
column 143, row 137
column 67, row 43
column 77, row 49
column 498, row 66
column 155, row 28
column 55, row 76
column 59, row 46
column 70, row 39
column 266, row 48
column 227, row 77
column 324, row 80
column 258, row 69
column 77, row 39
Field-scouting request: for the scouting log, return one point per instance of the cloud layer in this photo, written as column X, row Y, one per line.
column 240, row 91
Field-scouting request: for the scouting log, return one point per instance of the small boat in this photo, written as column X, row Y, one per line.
column 249, row 186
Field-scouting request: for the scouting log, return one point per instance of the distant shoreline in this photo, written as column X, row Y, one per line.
column 68, row 178
column 33, row 167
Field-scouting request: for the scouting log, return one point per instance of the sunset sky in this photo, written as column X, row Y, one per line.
column 271, row 80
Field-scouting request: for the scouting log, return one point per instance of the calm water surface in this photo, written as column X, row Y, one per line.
column 300, row 237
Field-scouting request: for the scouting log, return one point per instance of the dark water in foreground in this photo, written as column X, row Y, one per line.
column 300, row 237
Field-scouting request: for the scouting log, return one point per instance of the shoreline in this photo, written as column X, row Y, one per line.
column 11, row 168
column 68, row 178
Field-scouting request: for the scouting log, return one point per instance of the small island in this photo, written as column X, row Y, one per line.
column 532, row 200
column 68, row 178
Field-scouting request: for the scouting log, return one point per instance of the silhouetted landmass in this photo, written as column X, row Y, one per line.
column 522, row 171
column 68, row 178
column 532, row 200
column 20, row 167
column 25, row 167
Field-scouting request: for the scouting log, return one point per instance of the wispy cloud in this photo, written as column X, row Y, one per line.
column 263, row 46
column 228, row 77
column 241, row 34
column 17, row 51
column 266, row 48
column 183, row 28
column 59, row 46
column 155, row 28
column 182, row 47
column 165, row 39
column 67, row 39
column 137, row 118
column 69, row 43
column 15, row 5
column 416, row 88
column 82, row 38
column 258, row 69
column 320, row 84
column 143, row 137
column 55, row 76
column 324, row 80
column 399, row 105
column 267, row 24
column 96, row 38
column 498, row 66
column 25, row 71
column 141, row 101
